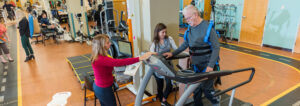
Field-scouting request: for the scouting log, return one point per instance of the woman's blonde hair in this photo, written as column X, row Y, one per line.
column 98, row 46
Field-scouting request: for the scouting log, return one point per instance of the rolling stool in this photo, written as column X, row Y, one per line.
column 88, row 85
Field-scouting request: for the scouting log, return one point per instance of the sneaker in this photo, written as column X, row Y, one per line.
column 165, row 103
column 219, row 101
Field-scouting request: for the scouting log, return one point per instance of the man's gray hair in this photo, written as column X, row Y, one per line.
column 192, row 9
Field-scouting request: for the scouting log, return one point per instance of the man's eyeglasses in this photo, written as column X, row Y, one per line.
column 188, row 18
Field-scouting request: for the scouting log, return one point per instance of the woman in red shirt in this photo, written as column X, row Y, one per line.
column 103, row 67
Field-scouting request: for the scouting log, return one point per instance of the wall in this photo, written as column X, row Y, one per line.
column 133, row 9
column 297, row 44
column 167, row 15
column 282, row 23
column 120, row 5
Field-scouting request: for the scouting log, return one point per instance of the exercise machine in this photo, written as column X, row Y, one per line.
column 160, row 65
column 81, row 37
column 225, row 17
column 108, row 25
column 123, row 27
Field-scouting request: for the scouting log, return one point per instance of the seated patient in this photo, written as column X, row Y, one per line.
column 47, row 27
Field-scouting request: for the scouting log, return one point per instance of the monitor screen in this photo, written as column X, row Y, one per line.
column 125, row 48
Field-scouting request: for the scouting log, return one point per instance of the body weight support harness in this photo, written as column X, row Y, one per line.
column 206, row 40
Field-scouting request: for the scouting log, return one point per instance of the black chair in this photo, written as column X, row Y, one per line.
column 47, row 34
column 36, row 37
column 88, row 85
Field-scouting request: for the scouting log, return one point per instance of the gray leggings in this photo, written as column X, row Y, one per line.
column 3, row 48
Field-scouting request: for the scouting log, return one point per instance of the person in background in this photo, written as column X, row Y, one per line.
column 3, row 40
column 47, row 26
column 25, row 34
column 9, row 8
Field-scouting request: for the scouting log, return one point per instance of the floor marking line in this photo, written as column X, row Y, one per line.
column 280, row 94
column 2, row 88
column 1, row 99
column 5, row 73
column 4, row 80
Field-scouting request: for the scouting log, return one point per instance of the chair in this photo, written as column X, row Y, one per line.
column 36, row 36
column 47, row 34
column 37, row 32
column 88, row 85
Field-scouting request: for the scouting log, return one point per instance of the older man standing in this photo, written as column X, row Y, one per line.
column 204, row 50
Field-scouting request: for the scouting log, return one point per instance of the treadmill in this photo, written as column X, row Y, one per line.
column 159, row 64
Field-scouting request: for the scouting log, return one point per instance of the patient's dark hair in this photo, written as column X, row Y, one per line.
column 156, row 38
column 44, row 12
column 29, row 9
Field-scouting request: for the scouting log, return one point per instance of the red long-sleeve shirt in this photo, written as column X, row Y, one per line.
column 103, row 67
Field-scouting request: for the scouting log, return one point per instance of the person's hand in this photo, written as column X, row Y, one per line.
column 8, row 40
column 209, row 69
column 168, row 54
column 147, row 55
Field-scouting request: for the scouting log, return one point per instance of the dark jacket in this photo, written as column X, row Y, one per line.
column 45, row 21
column 24, row 27
column 7, row 7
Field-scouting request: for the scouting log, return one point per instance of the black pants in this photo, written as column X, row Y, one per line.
column 206, row 87
column 160, row 87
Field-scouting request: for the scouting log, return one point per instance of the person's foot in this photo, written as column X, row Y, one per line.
column 11, row 60
column 218, row 99
column 27, row 59
column 165, row 103
column 3, row 61
column 31, row 57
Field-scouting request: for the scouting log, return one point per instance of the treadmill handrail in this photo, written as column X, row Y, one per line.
column 252, row 69
column 179, row 56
